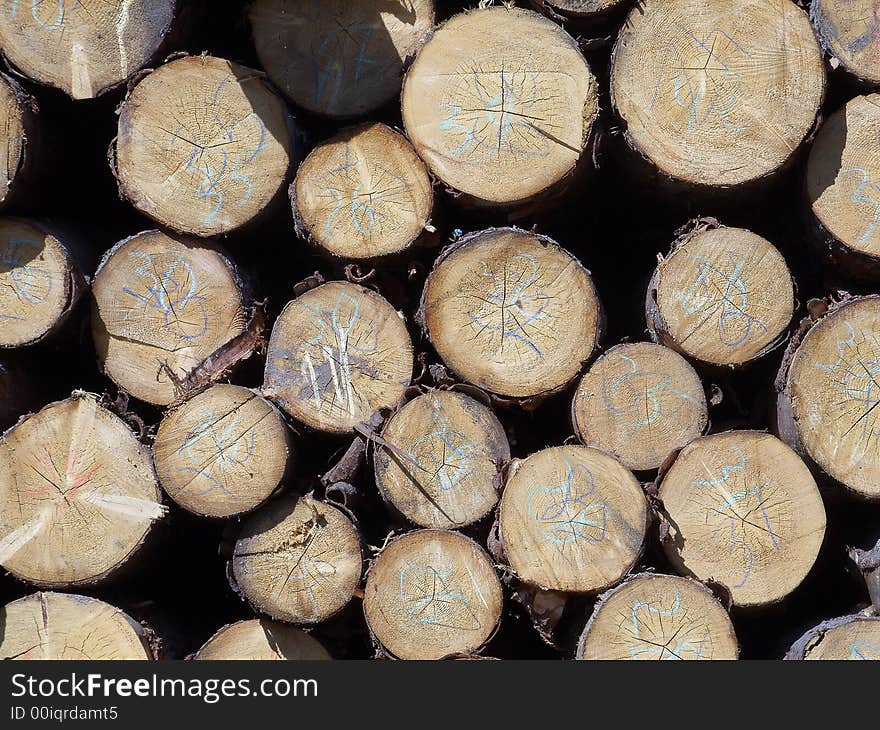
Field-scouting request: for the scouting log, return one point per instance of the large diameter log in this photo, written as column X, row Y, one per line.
column 18, row 120
column 40, row 282
column 432, row 594
column 743, row 510
column 337, row 354
column 828, row 393
column 849, row 31
column 63, row 626
column 78, row 494
column 717, row 94
column 339, row 58
column 162, row 305
column 661, row 617
column 223, row 452
column 261, row 640
column 572, row 519
column 440, row 460
column 847, row 638
column 298, row 560
column 512, row 312
column 86, row 47
column 204, row 145
column 640, row 402
column 724, row 296
column 501, row 104
column 362, row 194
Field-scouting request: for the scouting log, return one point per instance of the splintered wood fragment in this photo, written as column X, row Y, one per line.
column 40, row 282
column 204, row 145
column 298, row 560
column 18, row 120
column 63, row 626
column 658, row 617
column 849, row 32
column 743, row 510
column 86, row 47
column 431, row 594
column 512, row 312
column 501, row 104
column 223, row 452
column 848, row 638
column 723, row 296
column 364, row 193
column 78, row 494
column 260, row 639
column 717, row 94
column 337, row 354
column 572, row 519
column 338, row 58
column 640, row 402
column 826, row 406
column 444, row 466
column 161, row 306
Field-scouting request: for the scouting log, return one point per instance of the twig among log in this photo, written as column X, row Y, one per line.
column 260, row 639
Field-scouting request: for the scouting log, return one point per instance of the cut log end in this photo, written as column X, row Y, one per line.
column 744, row 511
column 848, row 638
column 62, row 626
column 14, row 140
column 640, row 402
column 298, row 560
column 512, row 312
column 338, row 353
column 659, row 617
column 261, row 640
column 432, row 594
column 580, row 8
column 500, row 103
column 161, row 305
column 78, row 494
column 717, row 95
column 849, row 31
column 365, row 193
column 724, row 296
column 440, row 460
column 204, row 145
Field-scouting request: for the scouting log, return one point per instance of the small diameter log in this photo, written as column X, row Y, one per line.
column 78, row 494
column 742, row 510
column 432, row 594
column 338, row 353
column 828, row 393
column 161, row 306
column 298, row 560
column 86, row 47
column 204, row 145
column 850, row 637
column 579, row 9
column 572, row 519
column 63, row 626
column 512, row 312
column 40, row 282
column 640, row 402
column 18, row 120
column 440, row 460
column 717, row 94
column 723, row 296
column 338, row 58
column 501, row 104
column 364, row 193
column 223, row 452
column 259, row 639
column 849, row 31
column 658, row 617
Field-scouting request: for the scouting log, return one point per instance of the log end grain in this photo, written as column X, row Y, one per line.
column 848, row 638
column 261, row 640
column 849, row 31
column 16, row 121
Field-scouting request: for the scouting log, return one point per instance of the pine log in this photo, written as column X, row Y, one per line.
column 78, row 494
column 743, row 510
column 572, row 519
column 19, row 122
column 432, row 594
column 579, row 9
column 501, row 105
column 204, row 146
column 851, row 637
column 512, row 312
column 663, row 617
column 339, row 58
column 362, row 194
column 640, row 402
column 849, row 32
column 223, row 452
column 161, row 306
column 260, row 639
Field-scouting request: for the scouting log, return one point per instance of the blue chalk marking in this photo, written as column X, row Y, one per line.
column 668, row 651
column 458, row 450
column 862, row 650
column 860, row 195
column 24, row 278
column 432, row 601
column 566, row 513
